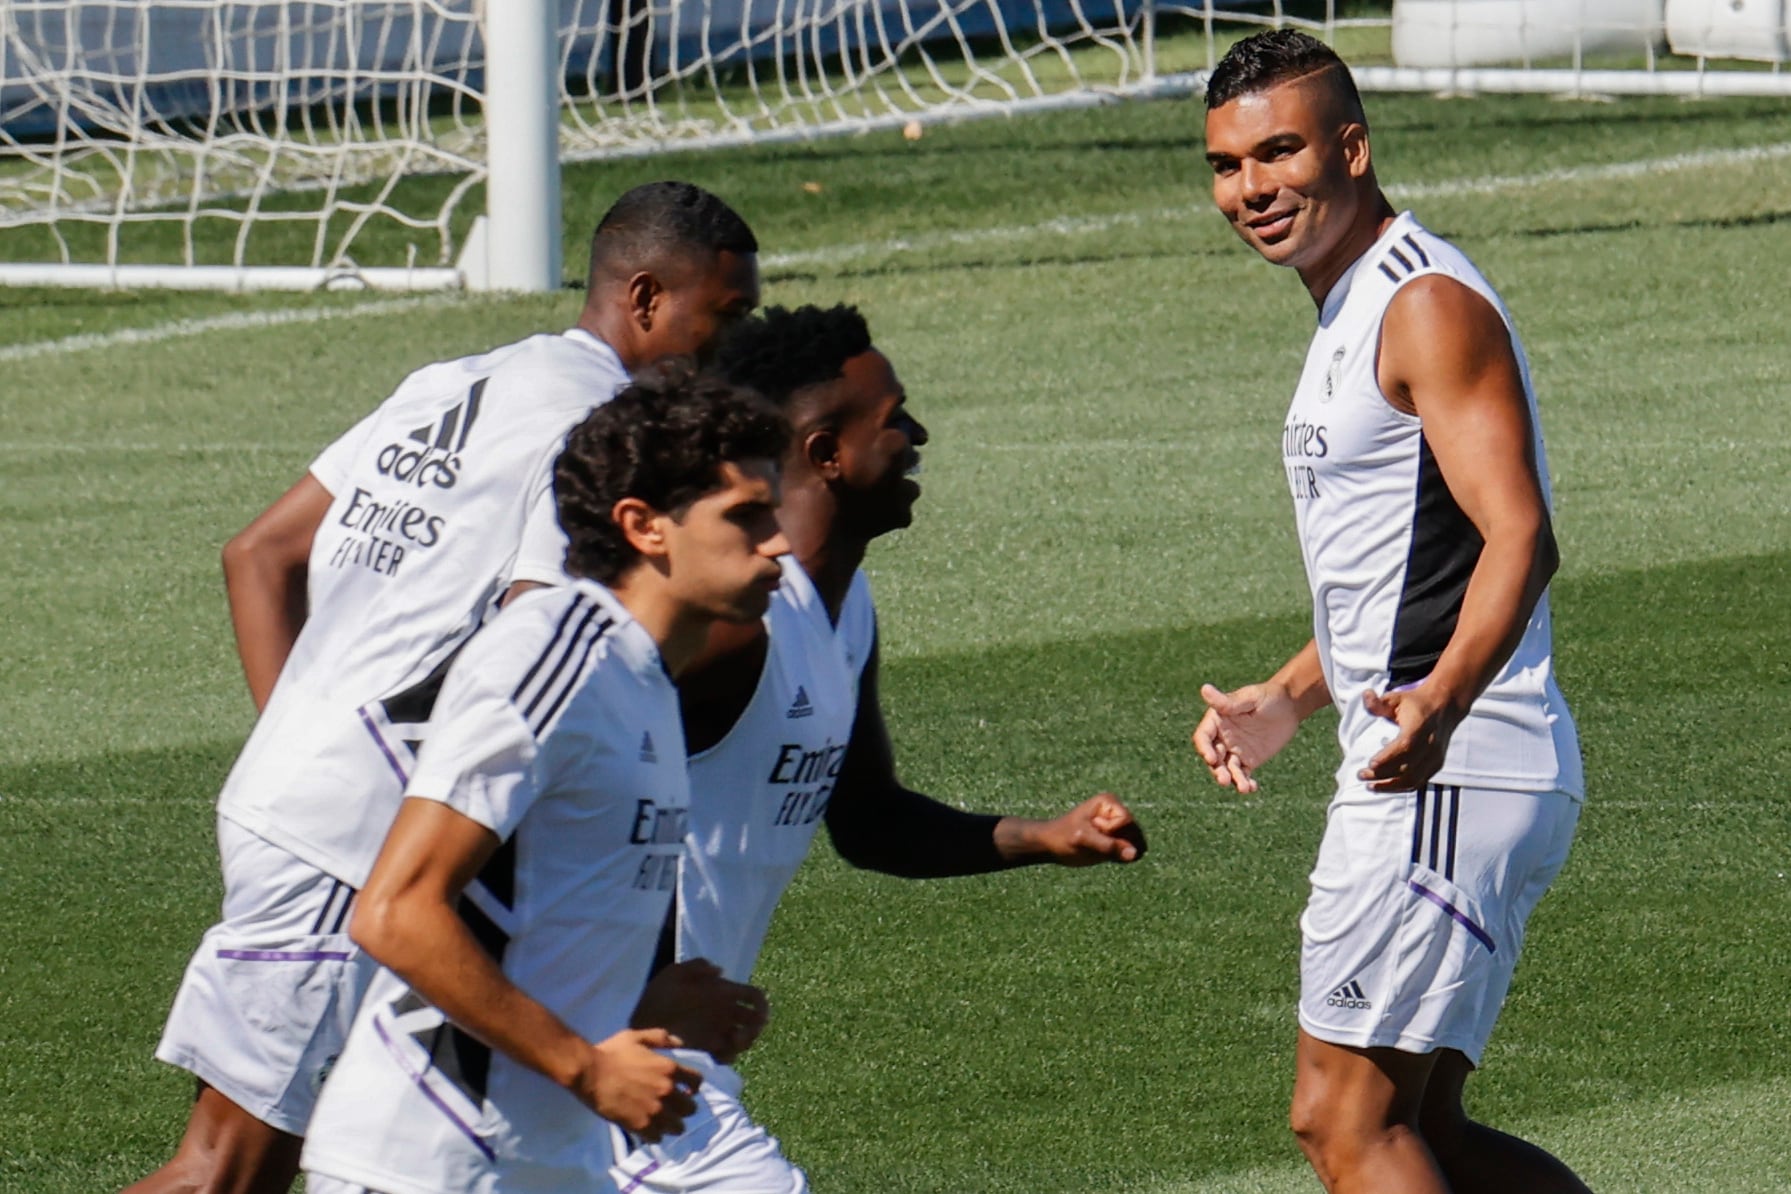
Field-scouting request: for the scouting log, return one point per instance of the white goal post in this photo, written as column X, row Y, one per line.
column 410, row 144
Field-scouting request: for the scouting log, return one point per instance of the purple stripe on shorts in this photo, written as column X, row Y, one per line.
column 1460, row 917
column 634, row 1183
column 423, row 1085
column 383, row 748
column 285, row 955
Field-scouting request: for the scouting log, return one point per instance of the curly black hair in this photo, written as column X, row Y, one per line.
column 1265, row 59
column 663, row 440
column 659, row 220
column 784, row 352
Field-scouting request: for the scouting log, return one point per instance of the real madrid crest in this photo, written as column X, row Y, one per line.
column 1333, row 375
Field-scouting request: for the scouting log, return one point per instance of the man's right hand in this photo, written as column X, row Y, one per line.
column 708, row 1012
column 1244, row 729
column 630, row 1083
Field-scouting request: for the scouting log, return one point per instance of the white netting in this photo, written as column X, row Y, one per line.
column 326, row 133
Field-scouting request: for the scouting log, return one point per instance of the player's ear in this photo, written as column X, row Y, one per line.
column 1355, row 149
column 641, row 525
column 821, row 448
column 645, row 294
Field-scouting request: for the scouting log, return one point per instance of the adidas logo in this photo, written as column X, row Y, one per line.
column 1350, row 996
column 648, row 754
column 800, row 707
column 430, row 454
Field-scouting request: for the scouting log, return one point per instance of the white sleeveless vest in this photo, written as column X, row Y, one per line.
column 1388, row 552
column 758, row 795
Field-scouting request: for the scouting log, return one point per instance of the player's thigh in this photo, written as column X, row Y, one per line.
column 1417, row 911
column 268, row 997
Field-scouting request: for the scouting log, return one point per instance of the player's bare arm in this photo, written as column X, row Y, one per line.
column 695, row 1003
column 1446, row 356
column 266, row 566
column 405, row 919
column 879, row 824
column 1245, row 728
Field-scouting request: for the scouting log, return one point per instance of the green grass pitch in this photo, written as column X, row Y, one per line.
column 1104, row 527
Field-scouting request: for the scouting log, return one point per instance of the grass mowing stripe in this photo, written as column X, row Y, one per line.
column 1725, row 1139
column 235, row 322
column 1450, row 188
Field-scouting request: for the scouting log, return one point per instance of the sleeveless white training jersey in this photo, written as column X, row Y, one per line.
column 557, row 729
column 757, row 796
column 1388, row 552
column 431, row 494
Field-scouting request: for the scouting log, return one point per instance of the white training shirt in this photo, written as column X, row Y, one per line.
column 758, row 795
column 432, row 493
column 559, row 731
column 1388, row 552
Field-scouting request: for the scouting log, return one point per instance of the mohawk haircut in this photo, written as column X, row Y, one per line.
column 662, row 440
column 1277, row 56
column 661, row 220
column 784, row 352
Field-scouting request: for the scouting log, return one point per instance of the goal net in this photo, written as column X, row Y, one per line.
column 414, row 143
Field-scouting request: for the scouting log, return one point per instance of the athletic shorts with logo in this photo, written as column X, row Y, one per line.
column 720, row 1151
column 268, row 998
column 1417, row 911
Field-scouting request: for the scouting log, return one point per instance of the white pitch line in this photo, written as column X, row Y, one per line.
column 1072, row 226
column 235, row 322
column 836, row 254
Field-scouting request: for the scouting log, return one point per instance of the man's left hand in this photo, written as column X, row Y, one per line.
column 1425, row 724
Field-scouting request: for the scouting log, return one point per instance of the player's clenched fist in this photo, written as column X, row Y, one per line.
column 1100, row 829
column 631, row 1084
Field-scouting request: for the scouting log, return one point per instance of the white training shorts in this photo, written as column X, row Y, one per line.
column 270, row 994
column 720, row 1151
column 1417, row 911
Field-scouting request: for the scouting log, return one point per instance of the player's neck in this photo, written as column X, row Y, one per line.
column 678, row 630
column 611, row 325
column 1375, row 218
column 830, row 556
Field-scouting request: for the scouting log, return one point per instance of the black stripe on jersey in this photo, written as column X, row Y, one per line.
column 1388, row 270
column 1404, row 261
column 413, row 705
column 573, row 678
column 1418, row 823
column 498, row 875
column 329, row 902
column 1445, row 547
column 551, row 650
column 461, row 1057
column 1413, row 246
column 472, row 410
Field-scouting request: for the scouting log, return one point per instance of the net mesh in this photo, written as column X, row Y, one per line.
column 332, row 133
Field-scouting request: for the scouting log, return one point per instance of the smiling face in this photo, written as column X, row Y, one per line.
column 1292, row 173
column 875, row 447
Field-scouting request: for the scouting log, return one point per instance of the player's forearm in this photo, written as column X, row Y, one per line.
column 424, row 943
column 1302, row 679
column 900, row 832
column 267, row 610
column 1514, row 569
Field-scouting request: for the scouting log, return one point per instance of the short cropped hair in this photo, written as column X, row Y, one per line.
column 784, row 352
column 662, row 440
column 661, row 220
column 1276, row 56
